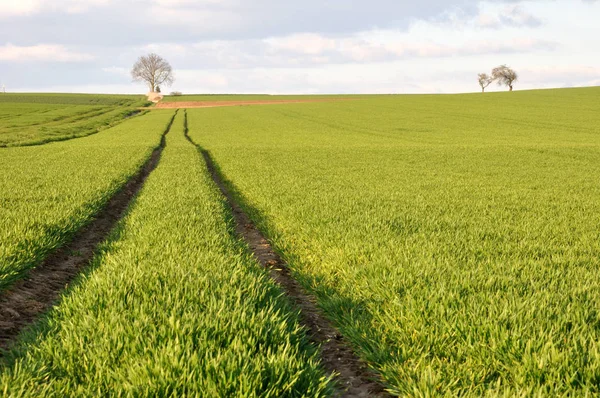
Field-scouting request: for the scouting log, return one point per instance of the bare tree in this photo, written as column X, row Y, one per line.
column 484, row 81
column 505, row 76
column 154, row 70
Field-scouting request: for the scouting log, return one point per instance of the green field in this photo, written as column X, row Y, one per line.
column 50, row 191
column 33, row 119
column 453, row 240
column 174, row 304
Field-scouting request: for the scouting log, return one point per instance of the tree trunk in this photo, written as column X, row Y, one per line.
column 483, row 89
column 510, row 88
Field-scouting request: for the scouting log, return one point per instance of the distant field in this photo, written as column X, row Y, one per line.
column 453, row 239
column 253, row 97
column 29, row 119
column 70, row 99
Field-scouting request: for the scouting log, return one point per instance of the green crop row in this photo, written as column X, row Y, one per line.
column 13, row 112
column 173, row 305
column 20, row 116
column 48, row 192
column 76, row 126
column 452, row 239
column 72, row 99
column 49, row 118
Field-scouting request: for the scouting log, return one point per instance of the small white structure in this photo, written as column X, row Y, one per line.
column 154, row 97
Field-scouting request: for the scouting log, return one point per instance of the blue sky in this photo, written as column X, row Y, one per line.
column 313, row 46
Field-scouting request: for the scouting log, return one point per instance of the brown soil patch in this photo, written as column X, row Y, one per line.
column 337, row 356
column 27, row 299
column 216, row 104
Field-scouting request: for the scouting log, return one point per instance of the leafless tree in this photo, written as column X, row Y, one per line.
column 154, row 70
column 505, row 76
column 484, row 81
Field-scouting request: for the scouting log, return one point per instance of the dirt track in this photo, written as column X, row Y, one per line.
column 33, row 295
column 353, row 376
column 216, row 104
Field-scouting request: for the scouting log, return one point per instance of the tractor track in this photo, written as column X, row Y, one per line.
column 337, row 356
column 25, row 301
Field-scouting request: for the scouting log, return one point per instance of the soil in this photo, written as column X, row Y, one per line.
column 132, row 114
column 216, row 104
column 355, row 379
column 30, row 297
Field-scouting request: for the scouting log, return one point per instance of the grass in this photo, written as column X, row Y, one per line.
column 49, row 192
column 33, row 119
column 453, row 239
column 173, row 306
column 71, row 99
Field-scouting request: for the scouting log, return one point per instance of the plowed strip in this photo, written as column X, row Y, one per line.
column 336, row 355
column 215, row 104
column 22, row 304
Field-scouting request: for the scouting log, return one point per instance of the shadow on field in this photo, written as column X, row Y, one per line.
column 354, row 377
column 29, row 298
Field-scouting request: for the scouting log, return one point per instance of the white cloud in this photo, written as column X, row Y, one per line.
column 469, row 48
column 192, row 18
column 11, row 8
column 314, row 49
column 303, row 43
column 211, row 80
column 511, row 16
column 489, row 15
column 487, row 21
column 571, row 75
column 41, row 53
column 116, row 70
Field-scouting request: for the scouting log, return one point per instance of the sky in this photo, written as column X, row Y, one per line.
column 298, row 47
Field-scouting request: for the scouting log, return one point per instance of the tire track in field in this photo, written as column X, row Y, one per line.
column 337, row 356
column 27, row 299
